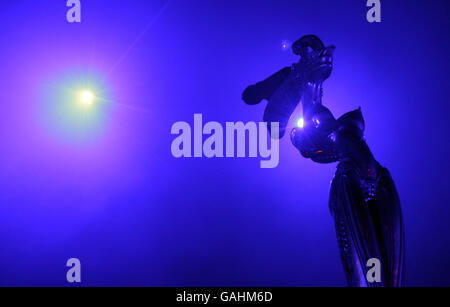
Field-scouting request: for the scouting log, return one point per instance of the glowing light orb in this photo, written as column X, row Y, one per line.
column 301, row 123
column 75, row 106
column 87, row 97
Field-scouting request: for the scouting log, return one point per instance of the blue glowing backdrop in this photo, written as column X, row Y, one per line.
column 87, row 110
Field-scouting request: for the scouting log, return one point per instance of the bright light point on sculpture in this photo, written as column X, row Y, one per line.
column 301, row 123
column 87, row 98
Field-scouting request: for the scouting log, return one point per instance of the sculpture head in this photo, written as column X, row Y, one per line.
column 316, row 60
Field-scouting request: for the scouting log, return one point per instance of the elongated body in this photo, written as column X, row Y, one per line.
column 363, row 199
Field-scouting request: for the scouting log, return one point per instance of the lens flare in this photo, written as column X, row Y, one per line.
column 301, row 123
column 76, row 106
column 87, row 97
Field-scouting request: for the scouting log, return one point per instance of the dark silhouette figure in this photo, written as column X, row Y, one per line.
column 363, row 199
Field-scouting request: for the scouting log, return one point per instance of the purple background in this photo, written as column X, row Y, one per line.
column 134, row 215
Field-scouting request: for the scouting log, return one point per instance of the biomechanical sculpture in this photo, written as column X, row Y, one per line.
column 363, row 198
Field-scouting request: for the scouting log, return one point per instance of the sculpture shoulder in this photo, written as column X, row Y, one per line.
column 353, row 122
